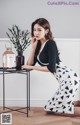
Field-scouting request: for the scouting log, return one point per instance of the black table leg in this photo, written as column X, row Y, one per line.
column 3, row 90
column 27, row 92
column 29, row 88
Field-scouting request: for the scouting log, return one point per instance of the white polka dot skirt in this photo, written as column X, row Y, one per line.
column 62, row 100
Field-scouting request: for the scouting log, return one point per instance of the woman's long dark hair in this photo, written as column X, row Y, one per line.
column 45, row 24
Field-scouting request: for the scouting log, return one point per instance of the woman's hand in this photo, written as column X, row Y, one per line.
column 26, row 67
column 34, row 43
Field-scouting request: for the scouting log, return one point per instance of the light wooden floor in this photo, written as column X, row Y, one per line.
column 37, row 116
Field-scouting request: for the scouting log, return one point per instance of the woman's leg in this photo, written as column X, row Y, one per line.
column 76, row 111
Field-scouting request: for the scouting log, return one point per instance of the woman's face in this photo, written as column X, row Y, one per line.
column 39, row 32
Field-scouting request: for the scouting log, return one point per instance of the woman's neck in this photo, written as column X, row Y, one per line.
column 43, row 40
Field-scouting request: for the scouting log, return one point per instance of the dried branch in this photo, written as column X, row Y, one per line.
column 20, row 39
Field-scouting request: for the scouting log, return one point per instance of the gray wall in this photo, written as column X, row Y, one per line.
column 64, row 19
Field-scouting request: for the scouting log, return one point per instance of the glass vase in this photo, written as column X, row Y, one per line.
column 19, row 61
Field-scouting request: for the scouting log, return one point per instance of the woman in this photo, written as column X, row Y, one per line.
column 45, row 52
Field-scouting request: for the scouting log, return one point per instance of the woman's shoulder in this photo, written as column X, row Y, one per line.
column 51, row 43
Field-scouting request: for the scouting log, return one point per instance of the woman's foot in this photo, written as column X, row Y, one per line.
column 77, row 103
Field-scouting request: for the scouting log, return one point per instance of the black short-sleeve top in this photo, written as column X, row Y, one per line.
column 47, row 55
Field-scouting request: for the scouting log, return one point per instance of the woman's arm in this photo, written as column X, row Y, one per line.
column 32, row 54
column 31, row 57
column 39, row 68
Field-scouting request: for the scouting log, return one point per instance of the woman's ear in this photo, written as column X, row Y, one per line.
column 47, row 31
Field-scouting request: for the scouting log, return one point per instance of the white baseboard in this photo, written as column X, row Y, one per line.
column 22, row 102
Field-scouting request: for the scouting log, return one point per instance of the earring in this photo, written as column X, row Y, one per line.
column 46, row 35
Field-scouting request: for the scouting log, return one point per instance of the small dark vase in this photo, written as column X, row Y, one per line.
column 19, row 61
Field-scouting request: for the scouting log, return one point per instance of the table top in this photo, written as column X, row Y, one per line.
column 13, row 70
